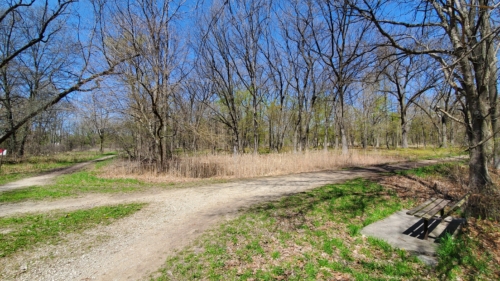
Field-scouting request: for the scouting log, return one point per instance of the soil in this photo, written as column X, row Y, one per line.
column 135, row 248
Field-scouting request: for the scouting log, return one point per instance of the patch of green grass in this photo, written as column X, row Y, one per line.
column 16, row 169
column 72, row 185
column 424, row 153
column 443, row 169
column 310, row 236
column 22, row 232
column 457, row 254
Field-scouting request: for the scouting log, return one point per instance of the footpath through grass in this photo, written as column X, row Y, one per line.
column 16, row 169
column 85, row 182
column 23, row 232
column 71, row 185
column 316, row 236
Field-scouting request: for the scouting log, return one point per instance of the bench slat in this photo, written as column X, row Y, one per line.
column 429, row 207
column 437, row 208
column 458, row 204
column 420, row 207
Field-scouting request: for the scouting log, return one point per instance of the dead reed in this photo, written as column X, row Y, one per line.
column 189, row 168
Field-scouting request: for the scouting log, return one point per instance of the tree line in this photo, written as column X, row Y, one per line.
column 158, row 77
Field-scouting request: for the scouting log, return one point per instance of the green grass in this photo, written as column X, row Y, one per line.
column 316, row 236
column 16, row 169
column 310, row 236
column 459, row 256
column 72, row 185
column 23, row 232
column 442, row 169
column 424, row 153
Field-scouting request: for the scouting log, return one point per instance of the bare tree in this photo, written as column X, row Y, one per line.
column 341, row 41
column 96, row 111
column 147, row 28
column 25, row 25
column 216, row 65
column 409, row 77
column 247, row 21
column 304, row 62
column 460, row 36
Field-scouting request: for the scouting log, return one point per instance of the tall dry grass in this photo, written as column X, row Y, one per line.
column 190, row 168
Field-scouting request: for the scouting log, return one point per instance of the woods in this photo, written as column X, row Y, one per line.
column 158, row 79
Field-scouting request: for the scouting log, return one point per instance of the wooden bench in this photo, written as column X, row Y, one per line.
column 432, row 207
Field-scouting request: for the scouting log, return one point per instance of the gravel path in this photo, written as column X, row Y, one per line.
column 135, row 247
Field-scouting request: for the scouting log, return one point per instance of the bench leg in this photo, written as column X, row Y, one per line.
column 426, row 229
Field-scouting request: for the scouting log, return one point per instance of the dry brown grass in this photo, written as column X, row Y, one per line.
column 191, row 168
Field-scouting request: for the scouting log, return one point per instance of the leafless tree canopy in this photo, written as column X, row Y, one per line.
column 161, row 78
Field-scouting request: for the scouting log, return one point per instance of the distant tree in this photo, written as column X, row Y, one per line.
column 297, row 28
column 408, row 78
column 341, row 40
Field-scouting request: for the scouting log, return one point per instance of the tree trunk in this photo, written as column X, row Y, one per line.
column 343, row 136
column 345, row 145
column 325, row 139
column 236, row 141
column 494, row 113
column 101, row 141
column 255, row 126
column 480, row 149
column 444, row 131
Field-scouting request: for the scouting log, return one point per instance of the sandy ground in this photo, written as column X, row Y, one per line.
column 134, row 248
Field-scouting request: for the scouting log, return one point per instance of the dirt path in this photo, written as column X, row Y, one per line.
column 135, row 247
column 49, row 176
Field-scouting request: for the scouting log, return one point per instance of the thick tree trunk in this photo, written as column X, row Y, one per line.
column 494, row 113
column 480, row 148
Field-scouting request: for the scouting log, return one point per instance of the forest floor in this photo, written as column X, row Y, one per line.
column 135, row 247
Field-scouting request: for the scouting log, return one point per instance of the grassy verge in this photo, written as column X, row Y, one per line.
column 16, row 169
column 72, row 185
column 22, row 232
